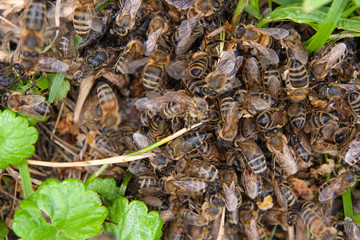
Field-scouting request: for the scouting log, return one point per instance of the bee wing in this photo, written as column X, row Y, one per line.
column 298, row 50
column 280, row 196
column 277, row 33
column 179, row 97
column 131, row 7
column 178, row 69
column 141, row 140
column 229, row 64
column 153, row 104
column 181, row 4
column 335, row 54
column 185, row 37
column 351, row 229
column 327, row 193
column 252, row 230
column 286, row 160
column 274, row 85
column 230, row 196
column 151, row 42
column 51, row 64
column 32, row 102
column 353, row 153
column 270, row 55
column 132, row 66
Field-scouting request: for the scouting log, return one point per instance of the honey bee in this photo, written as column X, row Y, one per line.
column 198, row 64
column 293, row 43
column 271, row 119
column 318, row 119
column 201, row 170
column 297, row 81
column 160, row 160
column 185, row 186
column 100, row 143
column 194, row 85
column 336, row 186
column 302, row 147
column 209, row 151
column 211, row 211
column 276, row 216
column 154, row 203
column 229, row 109
column 330, row 59
column 192, row 218
column 297, row 115
column 176, row 230
column 351, row 229
column 261, row 39
column 46, row 63
column 343, row 135
column 247, row 127
column 252, row 184
column 278, row 145
column 352, row 155
column 248, row 218
column 129, row 59
column 205, row 7
column 223, row 78
column 32, row 105
column 253, row 154
column 82, row 17
column 140, row 168
column 66, row 46
column 252, row 73
column 154, row 71
column 256, row 101
column 316, row 222
column 180, row 4
column 125, row 20
column 354, row 103
column 272, row 80
column 156, row 125
column 158, row 26
column 32, row 38
column 285, row 195
column 148, row 183
column 109, row 105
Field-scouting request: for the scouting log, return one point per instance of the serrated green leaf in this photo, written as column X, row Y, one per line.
column 311, row 5
column 71, row 212
column 42, row 83
column 357, row 219
column 59, row 86
column 4, row 231
column 106, row 187
column 131, row 221
column 16, row 139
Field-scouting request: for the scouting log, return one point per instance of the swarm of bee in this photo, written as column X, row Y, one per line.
column 148, row 68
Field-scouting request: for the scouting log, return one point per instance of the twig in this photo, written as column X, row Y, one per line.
column 10, row 23
column 57, row 120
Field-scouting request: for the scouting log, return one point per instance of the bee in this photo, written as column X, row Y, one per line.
column 209, row 151
column 66, row 46
column 330, row 59
column 198, row 64
column 155, row 203
column 154, row 71
column 253, row 154
column 158, row 26
column 185, row 186
column 293, row 44
column 276, row 216
column 176, row 230
column 351, row 229
column 297, row 81
column 343, row 135
column 192, row 218
column 261, row 39
column 229, row 109
column 212, row 117
column 140, row 168
column 100, row 143
column 318, row 119
column 32, row 105
column 125, row 20
column 248, row 218
column 285, row 195
column 336, row 186
column 352, row 155
column 205, row 7
column 127, row 61
column 247, row 127
column 199, row 169
column 354, row 103
column 194, row 85
column 32, row 39
column 316, row 222
column 252, row 183
column 160, row 160
column 47, row 63
column 145, row 182
column 252, row 73
column 297, row 115
column 174, row 108
column 278, row 145
column 271, row 119
column 302, row 147
column 109, row 105
column 258, row 101
column 272, row 80
column 211, row 211
column 223, row 78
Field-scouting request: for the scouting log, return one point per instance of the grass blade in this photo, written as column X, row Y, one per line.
column 311, row 5
column 25, row 179
column 327, row 27
column 124, row 184
column 286, row 2
column 59, row 77
column 242, row 4
column 347, row 204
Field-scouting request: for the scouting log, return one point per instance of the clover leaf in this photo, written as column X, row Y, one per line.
column 60, row 211
column 131, row 221
column 106, row 187
column 16, row 139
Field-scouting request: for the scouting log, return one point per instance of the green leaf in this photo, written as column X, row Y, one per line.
column 253, row 8
column 60, row 211
column 42, row 83
column 347, row 204
column 349, row 24
column 357, row 218
column 77, row 41
column 125, row 183
column 327, row 26
column 106, row 187
column 242, row 4
column 286, row 2
column 311, row 5
column 356, row 2
column 59, row 86
column 4, row 231
column 131, row 221
column 16, row 139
